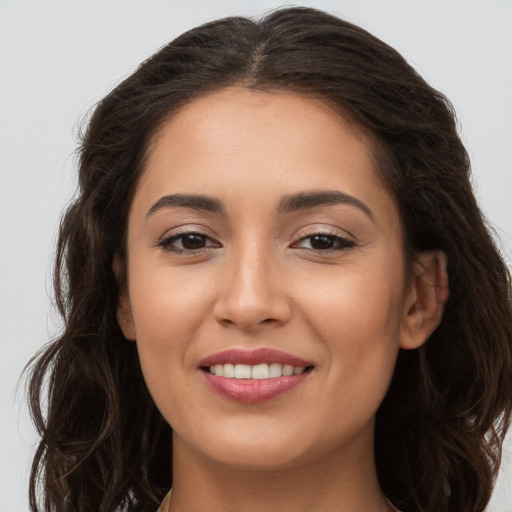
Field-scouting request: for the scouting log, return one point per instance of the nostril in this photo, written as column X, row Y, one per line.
column 250, row 311
column 227, row 322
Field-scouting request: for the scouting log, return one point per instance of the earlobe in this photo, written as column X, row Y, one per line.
column 124, row 316
column 124, row 310
column 427, row 297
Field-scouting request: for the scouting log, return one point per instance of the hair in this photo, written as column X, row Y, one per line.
column 104, row 445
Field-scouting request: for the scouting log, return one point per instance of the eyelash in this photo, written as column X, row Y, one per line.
column 343, row 243
column 167, row 243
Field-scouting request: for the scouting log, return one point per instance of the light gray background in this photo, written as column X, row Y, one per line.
column 58, row 57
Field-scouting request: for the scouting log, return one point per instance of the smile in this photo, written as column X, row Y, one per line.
column 254, row 376
column 259, row 371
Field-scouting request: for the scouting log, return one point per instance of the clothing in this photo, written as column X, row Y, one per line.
column 164, row 506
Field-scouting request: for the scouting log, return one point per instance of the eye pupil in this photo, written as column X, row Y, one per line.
column 193, row 241
column 322, row 242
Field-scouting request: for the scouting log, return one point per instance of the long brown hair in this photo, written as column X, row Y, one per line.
column 105, row 446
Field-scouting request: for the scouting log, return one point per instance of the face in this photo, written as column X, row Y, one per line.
column 266, row 287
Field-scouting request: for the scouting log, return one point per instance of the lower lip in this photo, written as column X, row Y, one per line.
column 252, row 391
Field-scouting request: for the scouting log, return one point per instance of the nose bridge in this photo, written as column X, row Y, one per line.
column 252, row 294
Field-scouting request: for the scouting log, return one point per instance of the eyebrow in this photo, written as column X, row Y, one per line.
column 194, row 201
column 289, row 203
column 305, row 200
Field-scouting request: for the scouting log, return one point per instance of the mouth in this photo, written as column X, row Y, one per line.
column 253, row 376
column 256, row 372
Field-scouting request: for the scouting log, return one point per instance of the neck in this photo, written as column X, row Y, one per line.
column 344, row 481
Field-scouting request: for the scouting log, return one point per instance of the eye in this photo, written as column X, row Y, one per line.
column 187, row 242
column 324, row 242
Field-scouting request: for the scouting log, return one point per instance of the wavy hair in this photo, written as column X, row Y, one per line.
column 104, row 445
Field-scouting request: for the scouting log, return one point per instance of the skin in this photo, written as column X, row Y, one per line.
column 259, row 279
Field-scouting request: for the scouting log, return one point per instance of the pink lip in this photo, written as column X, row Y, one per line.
column 253, row 357
column 251, row 391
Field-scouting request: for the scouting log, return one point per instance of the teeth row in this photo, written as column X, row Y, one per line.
column 259, row 371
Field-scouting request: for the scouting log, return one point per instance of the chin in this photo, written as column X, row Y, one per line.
column 259, row 457
column 270, row 445
column 254, row 446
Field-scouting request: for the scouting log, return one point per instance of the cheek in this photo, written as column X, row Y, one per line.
column 357, row 318
column 167, row 304
column 166, row 315
column 168, row 309
column 354, row 305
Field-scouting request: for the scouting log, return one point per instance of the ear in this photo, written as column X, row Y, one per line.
column 426, row 299
column 124, row 309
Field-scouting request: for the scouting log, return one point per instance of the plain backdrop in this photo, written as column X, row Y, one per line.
column 57, row 58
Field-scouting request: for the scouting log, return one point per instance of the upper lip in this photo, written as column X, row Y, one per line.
column 253, row 357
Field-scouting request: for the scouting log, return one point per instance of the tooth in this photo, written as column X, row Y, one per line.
column 275, row 370
column 287, row 370
column 260, row 371
column 229, row 370
column 242, row 371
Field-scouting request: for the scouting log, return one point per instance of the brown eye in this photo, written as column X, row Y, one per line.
column 324, row 242
column 193, row 241
column 188, row 242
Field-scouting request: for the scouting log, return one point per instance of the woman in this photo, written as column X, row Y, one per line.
column 278, row 290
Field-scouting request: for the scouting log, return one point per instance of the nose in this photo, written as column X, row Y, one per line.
column 252, row 294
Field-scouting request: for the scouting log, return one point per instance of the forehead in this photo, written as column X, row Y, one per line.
column 250, row 147
column 252, row 129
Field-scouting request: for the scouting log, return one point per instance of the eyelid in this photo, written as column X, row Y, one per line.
column 323, row 229
column 185, row 229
